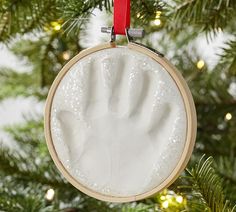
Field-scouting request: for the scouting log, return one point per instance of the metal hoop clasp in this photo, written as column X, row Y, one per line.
column 130, row 33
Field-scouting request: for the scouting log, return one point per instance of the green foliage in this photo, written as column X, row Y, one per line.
column 23, row 200
column 226, row 168
column 24, row 16
column 27, row 171
column 75, row 13
column 15, row 84
column 138, row 208
column 229, row 57
column 46, row 63
column 27, row 174
column 143, row 12
column 208, row 188
column 20, row 17
column 16, row 165
column 47, row 60
column 209, row 16
column 29, row 135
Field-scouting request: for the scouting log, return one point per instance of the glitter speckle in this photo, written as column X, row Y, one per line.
column 124, row 122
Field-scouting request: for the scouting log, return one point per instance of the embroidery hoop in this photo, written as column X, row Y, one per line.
column 190, row 117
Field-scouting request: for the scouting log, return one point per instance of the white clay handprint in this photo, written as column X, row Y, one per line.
column 117, row 121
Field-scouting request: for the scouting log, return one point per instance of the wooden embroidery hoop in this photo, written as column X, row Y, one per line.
column 190, row 112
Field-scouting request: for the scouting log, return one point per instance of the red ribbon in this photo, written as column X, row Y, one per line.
column 121, row 16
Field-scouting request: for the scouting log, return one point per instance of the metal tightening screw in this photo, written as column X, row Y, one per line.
column 134, row 33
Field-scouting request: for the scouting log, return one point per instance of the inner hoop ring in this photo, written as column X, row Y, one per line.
column 190, row 115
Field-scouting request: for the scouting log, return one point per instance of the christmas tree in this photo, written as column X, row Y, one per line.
column 48, row 33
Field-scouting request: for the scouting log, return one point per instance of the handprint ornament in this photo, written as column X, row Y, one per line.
column 120, row 122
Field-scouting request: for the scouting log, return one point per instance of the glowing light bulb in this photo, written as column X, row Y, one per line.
column 200, row 64
column 162, row 197
column 158, row 14
column 56, row 25
column 228, row 116
column 157, row 22
column 50, row 194
column 165, row 204
column 179, row 199
column 66, row 55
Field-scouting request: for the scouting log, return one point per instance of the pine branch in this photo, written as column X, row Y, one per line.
column 211, row 15
column 22, row 179
column 142, row 12
column 207, row 185
column 76, row 13
column 44, row 60
column 25, row 170
column 226, row 167
column 20, row 17
column 15, row 84
column 25, row 16
column 22, row 203
column 228, row 58
column 29, row 136
column 23, row 199
column 45, row 55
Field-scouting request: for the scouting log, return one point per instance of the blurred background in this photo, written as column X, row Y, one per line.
column 38, row 37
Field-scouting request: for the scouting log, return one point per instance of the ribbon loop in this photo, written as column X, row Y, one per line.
column 121, row 16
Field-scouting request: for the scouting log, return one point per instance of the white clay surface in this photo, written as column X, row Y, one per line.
column 118, row 122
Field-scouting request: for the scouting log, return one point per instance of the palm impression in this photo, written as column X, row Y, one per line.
column 118, row 122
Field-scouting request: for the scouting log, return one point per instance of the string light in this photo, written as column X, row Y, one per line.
column 162, row 197
column 165, row 204
column 228, row 116
column 157, row 22
column 200, row 64
column 169, row 199
column 56, row 25
column 219, row 29
column 179, row 199
column 50, row 194
column 158, row 14
column 66, row 55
